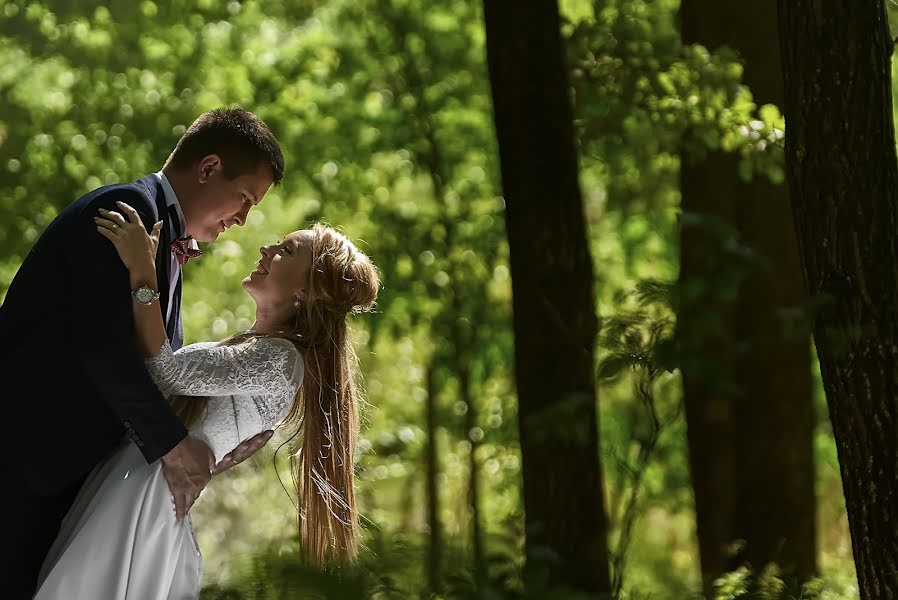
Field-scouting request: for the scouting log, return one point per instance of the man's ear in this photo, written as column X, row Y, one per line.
column 208, row 165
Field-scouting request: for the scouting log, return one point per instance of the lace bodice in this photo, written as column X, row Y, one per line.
column 250, row 386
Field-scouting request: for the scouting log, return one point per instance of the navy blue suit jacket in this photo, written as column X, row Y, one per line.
column 72, row 381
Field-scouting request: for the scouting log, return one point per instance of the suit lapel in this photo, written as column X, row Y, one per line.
column 163, row 260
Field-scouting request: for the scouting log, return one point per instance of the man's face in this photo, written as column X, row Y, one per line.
column 220, row 202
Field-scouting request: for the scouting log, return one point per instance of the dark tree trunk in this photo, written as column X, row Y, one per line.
column 840, row 157
column 775, row 506
column 751, row 446
column 705, row 323
column 435, row 548
column 554, row 309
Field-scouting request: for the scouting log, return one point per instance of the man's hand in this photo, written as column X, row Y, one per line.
column 242, row 452
column 187, row 469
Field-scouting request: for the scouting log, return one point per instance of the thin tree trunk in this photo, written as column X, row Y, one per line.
column 435, row 548
column 554, row 319
column 422, row 118
column 841, row 168
column 758, row 483
column 480, row 568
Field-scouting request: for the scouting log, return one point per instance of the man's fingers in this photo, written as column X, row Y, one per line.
column 248, row 448
column 242, row 452
column 183, row 503
column 180, row 506
column 255, row 443
column 226, row 463
column 236, row 456
column 261, row 440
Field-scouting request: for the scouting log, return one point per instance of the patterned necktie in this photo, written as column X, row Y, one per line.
column 183, row 249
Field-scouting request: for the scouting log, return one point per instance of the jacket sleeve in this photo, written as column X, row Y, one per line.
column 99, row 289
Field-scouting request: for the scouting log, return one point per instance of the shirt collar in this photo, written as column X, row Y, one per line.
column 171, row 200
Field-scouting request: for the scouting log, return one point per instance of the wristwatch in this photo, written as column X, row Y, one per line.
column 145, row 295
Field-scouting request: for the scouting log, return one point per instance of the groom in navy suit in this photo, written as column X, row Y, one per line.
column 73, row 380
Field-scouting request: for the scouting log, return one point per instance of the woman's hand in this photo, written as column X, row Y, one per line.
column 135, row 246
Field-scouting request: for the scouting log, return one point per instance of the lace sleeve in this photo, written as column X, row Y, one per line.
column 261, row 366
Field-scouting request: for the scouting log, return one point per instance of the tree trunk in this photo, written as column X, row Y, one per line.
column 763, row 437
column 422, row 117
column 775, row 507
column 840, row 157
column 554, row 319
column 480, row 567
column 705, row 324
column 435, row 549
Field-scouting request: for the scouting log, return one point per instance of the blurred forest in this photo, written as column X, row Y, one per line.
column 385, row 115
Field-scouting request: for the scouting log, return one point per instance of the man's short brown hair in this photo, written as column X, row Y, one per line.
column 240, row 138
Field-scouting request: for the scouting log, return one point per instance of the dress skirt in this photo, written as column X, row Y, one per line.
column 121, row 540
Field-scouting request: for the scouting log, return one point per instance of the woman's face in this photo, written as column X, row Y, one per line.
column 282, row 274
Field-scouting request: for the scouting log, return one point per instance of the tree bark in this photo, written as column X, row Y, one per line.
column 751, row 446
column 840, row 157
column 554, row 319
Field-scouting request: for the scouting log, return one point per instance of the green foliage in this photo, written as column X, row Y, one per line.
column 744, row 584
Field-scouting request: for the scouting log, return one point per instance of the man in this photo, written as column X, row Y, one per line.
column 73, row 379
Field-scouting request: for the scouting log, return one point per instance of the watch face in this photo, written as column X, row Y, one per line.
column 145, row 295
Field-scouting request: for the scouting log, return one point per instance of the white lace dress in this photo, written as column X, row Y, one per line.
column 120, row 540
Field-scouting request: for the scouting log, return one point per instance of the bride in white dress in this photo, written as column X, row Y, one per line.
column 295, row 368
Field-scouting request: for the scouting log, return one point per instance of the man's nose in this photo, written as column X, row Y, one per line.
column 240, row 217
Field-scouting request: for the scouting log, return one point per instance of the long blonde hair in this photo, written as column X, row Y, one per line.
column 323, row 420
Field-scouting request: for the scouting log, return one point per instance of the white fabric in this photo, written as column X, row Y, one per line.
column 174, row 273
column 120, row 540
column 251, row 386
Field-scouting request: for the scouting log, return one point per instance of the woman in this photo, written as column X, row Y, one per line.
column 295, row 366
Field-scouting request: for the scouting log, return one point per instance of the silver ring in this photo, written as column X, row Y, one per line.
column 114, row 225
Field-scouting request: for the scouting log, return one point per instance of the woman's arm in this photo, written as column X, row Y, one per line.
column 137, row 249
column 263, row 366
